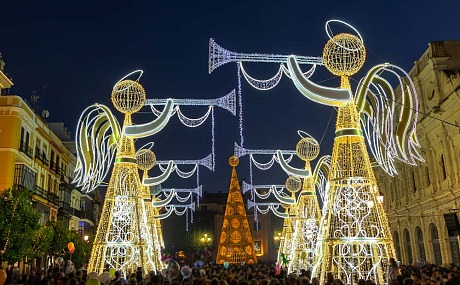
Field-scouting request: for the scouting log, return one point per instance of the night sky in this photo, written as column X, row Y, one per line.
column 72, row 53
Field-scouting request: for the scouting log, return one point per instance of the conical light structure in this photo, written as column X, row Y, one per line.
column 123, row 240
column 286, row 235
column 146, row 160
column 355, row 240
column 236, row 245
column 303, row 254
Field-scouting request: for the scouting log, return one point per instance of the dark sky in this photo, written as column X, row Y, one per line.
column 72, row 53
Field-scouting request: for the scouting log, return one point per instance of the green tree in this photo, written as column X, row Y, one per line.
column 82, row 249
column 18, row 224
column 60, row 238
column 42, row 241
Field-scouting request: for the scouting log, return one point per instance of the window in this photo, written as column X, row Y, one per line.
column 24, row 176
column 427, row 177
column 397, row 245
column 443, row 168
column 22, row 136
column 420, row 244
column 414, row 185
column 52, row 159
column 42, row 181
column 435, row 244
column 27, row 139
column 408, row 247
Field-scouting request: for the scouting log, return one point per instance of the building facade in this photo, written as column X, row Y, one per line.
column 417, row 199
column 35, row 157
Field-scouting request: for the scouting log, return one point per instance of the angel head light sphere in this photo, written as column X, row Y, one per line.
column 307, row 149
column 128, row 96
column 293, row 184
column 344, row 54
column 146, row 159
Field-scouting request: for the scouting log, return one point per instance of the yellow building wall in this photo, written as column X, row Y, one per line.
column 10, row 132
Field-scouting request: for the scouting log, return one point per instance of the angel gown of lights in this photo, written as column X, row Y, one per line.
column 307, row 213
column 354, row 241
column 146, row 160
column 235, row 243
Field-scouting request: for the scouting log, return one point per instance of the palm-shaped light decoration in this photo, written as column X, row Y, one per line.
column 355, row 240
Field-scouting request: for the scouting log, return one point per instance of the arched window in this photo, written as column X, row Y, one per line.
column 397, row 245
column 443, row 168
column 408, row 247
column 435, row 243
column 454, row 250
column 420, row 244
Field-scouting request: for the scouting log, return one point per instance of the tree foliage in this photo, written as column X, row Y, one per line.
column 43, row 240
column 18, row 224
column 60, row 238
column 82, row 249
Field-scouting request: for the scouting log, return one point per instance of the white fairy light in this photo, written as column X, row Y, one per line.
column 227, row 102
column 240, row 104
column 240, row 151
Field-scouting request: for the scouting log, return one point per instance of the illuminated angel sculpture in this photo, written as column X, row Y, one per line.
column 298, row 239
column 129, row 234
column 306, row 213
column 123, row 240
column 355, row 241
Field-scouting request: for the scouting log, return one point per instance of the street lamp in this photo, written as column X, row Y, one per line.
column 205, row 239
column 278, row 237
column 85, row 238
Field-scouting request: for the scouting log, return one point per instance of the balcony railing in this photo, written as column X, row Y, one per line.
column 55, row 168
column 25, row 148
column 76, row 213
column 64, row 206
column 39, row 191
column 48, row 196
column 41, row 155
column 86, row 215
column 53, row 198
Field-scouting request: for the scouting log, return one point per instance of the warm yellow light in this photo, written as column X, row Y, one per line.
column 380, row 198
column 85, row 238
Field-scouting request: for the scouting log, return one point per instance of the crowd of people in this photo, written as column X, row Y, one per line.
column 261, row 274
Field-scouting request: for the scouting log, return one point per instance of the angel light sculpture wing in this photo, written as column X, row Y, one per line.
column 389, row 138
column 98, row 132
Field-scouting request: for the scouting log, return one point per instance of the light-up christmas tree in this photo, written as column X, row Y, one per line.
column 235, row 243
